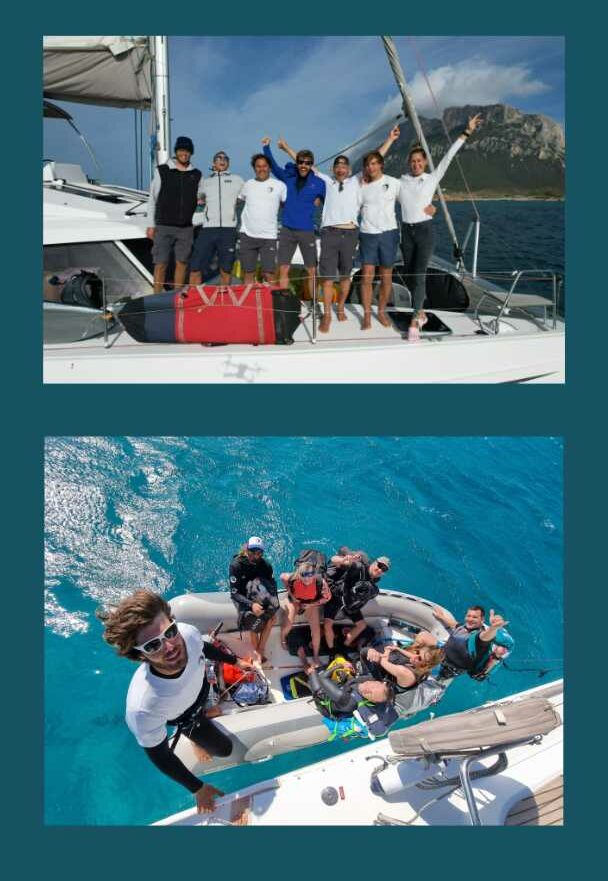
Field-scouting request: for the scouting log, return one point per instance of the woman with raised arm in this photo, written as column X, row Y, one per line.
column 415, row 195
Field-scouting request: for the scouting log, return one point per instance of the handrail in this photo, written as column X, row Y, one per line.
column 465, row 778
column 505, row 304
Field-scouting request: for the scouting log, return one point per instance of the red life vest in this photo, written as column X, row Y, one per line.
column 304, row 592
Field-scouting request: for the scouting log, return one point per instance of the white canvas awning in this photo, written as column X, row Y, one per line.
column 107, row 71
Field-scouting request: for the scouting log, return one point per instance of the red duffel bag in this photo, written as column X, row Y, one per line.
column 256, row 313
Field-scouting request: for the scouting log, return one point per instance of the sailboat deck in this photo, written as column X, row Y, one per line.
column 543, row 808
column 522, row 351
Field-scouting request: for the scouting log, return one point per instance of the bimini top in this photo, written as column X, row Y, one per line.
column 474, row 730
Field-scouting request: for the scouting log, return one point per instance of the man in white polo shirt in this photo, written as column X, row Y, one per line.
column 263, row 196
column 379, row 235
column 339, row 227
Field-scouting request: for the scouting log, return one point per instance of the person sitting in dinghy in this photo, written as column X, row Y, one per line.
column 473, row 647
column 370, row 701
column 170, row 686
column 253, row 591
column 417, row 188
column 353, row 582
column 405, row 668
column 307, row 591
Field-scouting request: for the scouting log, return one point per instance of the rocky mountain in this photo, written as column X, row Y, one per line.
column 511, row 154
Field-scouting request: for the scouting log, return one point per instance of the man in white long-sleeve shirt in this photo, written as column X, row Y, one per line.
column 416, row 192
column 339, row 227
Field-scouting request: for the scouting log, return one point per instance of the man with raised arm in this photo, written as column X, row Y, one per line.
column 353, row 582
column 473, row 647
column 339, row 227
column 304, row 192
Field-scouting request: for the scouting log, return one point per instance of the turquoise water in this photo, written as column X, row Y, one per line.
column 463, row 519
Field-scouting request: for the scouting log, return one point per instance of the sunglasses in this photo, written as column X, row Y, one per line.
column 308, row 574
column 304, row 162
column 382, row 567
column 255, row 551
column 154, row 645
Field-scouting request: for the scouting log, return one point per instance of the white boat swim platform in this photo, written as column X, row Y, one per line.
column 366, row 787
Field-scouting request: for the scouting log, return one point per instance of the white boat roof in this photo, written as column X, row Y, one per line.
column 69, row 217
column 75, row 210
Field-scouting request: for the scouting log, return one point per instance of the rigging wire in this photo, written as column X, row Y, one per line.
column 440, row 114
column 410, row 110
column 399, row 118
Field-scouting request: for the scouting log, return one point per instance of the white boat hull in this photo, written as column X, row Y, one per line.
column 295, row 799
column 519, row 353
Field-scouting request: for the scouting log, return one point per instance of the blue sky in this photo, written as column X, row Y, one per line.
column 318, row 92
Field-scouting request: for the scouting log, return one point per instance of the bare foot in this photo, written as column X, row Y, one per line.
column 367, row 321
column 325, row 324
column 201, row 754
column 383, row 318
column 316, row 662
column 341, row 313
column 212, row 712
column 303, row 657
column 239, row 811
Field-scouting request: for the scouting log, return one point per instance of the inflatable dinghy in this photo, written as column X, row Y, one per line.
column 285, row 722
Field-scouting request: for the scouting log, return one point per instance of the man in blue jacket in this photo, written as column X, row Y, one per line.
column 304, row 192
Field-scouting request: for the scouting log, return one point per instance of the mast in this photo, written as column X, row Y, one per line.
column 409, row 110
column 161, row 137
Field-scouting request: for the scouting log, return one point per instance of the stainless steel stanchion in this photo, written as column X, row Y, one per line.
column 314, row 308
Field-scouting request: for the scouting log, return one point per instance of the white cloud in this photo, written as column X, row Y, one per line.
column 328, row 98
column 472, row 81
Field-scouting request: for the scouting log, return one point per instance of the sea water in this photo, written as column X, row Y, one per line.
column 464, row 520
column 514, row 235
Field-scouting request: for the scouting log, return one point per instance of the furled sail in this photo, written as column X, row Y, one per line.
column 107, row 71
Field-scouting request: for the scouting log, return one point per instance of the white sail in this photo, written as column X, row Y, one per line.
column 106, row 71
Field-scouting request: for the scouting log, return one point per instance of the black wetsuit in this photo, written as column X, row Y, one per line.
column 346, row 583
column 344, row 698
column 194, row 725
column 242, row 571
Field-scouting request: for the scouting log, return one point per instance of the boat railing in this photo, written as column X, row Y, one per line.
column 463, row 780
column 474, row 227
column 521, row 301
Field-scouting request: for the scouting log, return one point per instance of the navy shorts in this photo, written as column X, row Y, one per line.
column 379, row 249
column 212, row 240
